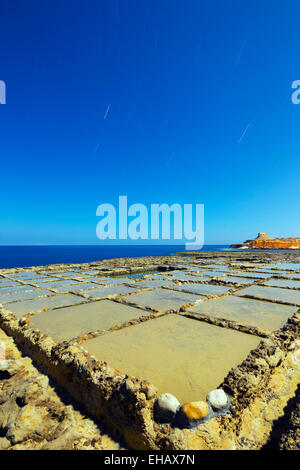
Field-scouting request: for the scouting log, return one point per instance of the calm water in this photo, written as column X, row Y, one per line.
column 21, row 256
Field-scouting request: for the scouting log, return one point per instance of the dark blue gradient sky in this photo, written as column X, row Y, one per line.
column 185, row 101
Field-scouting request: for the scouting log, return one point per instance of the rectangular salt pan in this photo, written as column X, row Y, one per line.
column 8, row 285
column 108, row 291
column 81, row 286
column 37, row 305
column 163, row 299
column 185, row 357
column 286, row 266
column 19, row 296
column 203, row 289
column 212, row 273
column 65, row 324
column 238, row 280
column 291, row 276
column 272, row 293
column 57, row 284
column 98, row 280
column 27, row 274
column 283, row 283
column 251, row 275
column 70, row 274
column 35, row 278
column 155, row 276
column 71, row 286
column 153, row 283
column 248, row 312
column 116, row 281
column 189, row 277
column 18, row 288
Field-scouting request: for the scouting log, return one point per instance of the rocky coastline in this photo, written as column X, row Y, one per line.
column 264, row 242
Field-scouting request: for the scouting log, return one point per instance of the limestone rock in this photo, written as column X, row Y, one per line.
column 166, row 407
column 262, row 236
column 2, row 351
column 263, row 241
column 32, row 414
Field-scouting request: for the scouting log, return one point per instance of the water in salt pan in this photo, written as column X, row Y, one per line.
column 272, row 293
column 154, row 283
column 211, row 273
column 117, row 280
column 237, row 280
column 291, row 276
column 17, row 288
column 203, row 289
column 57, row 284
column 37, row 305
column 185, row 357
column 190, row 277
column 108, row 291
column 284, row 283
column 162, row 299
column 35, row 278
column 70, row 274
column 66, row 323
column 79, row 286
column 251, row 275
column 24, row 275
column 248, row 312
column 8, row 285
column 98, row 280
column 286, row 266
column 19, row 296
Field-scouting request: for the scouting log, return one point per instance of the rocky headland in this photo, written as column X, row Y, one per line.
column 264, row 242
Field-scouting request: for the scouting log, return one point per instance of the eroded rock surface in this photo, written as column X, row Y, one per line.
column 263, row 241
column 32, row 414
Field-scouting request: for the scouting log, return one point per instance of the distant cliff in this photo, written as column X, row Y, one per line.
column 264, row 242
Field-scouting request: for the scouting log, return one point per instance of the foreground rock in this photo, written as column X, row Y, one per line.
column 33, row 416
column 264, row 242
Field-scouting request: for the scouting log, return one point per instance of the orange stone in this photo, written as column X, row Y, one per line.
column 195, row 410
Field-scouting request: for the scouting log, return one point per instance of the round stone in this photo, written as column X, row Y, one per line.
column 192, row 414
column 195, row 410
column 166, row 407
column 218, row 399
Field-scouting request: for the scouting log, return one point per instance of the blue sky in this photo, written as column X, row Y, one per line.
column 165, row 101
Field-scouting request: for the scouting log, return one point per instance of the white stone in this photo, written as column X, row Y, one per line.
column 167, row 406
column 218, row 399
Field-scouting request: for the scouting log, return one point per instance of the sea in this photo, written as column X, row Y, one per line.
column 25, row 256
